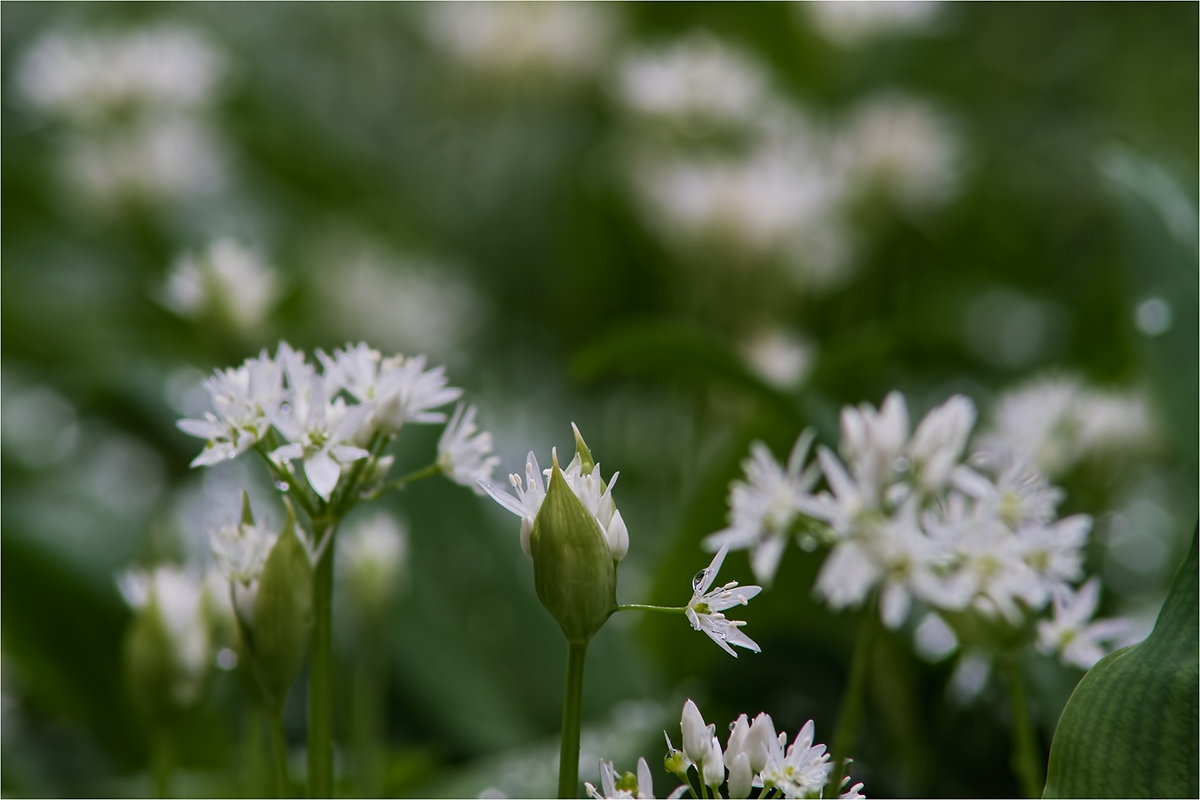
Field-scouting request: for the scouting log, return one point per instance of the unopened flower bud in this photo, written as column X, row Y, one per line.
column 713, row 771
column 740, row 777
column 277, row 638
column 696, row 734
column 573, row 568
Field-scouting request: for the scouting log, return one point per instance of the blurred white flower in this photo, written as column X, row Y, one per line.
column 228, row 280
column 1074, row 637
column 40, row 426
column 763, row 507
column 779, row 356
column 620, row 786
column 695, row 82
column 159, row 159
column 178, row 597
column 903, row 146
column 84, row 76
column 846, row 22
column 373, row 555
column 555, row 40
column 463, row 454
column 704, row 609
column 240, row 551
column 1056, row 421
column 934, row 639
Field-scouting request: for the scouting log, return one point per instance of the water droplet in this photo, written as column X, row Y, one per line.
column 900, row 464
column 282, row 486
column 226, row 659
column 698, row 581
column 232, row 455
column 732, row 725
column 808, row 543
column 285, row 461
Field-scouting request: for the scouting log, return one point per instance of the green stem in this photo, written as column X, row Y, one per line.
column 164, row 762
column 320, row 671
column 852, row 701
column 412, row 477
column 278, row 751
column 568, row 757
column 1026, row 761
column 660, row 609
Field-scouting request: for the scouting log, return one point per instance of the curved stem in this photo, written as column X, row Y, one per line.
column 412, row 477
column 1026, row 761
column 278, row 751
column 164, row 762
column 852, row 701
column 660, row 609
column 568, row 756
column 320, row 671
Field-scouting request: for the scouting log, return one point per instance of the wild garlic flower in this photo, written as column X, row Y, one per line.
column 373, row 555
column 1072, row 635
column 591, row 490
column 324, row 419
column 754, row 757
column 704, row 609
column 241, row 550
column 626, row 786
column 763, row 508
column 178, row 597
column 464, row 455
column 227, row 280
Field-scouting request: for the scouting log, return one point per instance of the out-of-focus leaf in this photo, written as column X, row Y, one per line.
column 673, row 350
column 1159, row 221
column 1132, row 726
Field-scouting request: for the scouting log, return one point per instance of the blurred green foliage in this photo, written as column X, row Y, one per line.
column 349, row 136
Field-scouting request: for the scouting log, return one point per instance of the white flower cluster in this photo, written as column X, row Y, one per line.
column 227, row 280
column 179, row 597
column 754, row 757
column 847, row 23
column 785, row 188
column 908, row 517
column 591, row 490
column 240, row 551
column 135, row 104
column 323, row 420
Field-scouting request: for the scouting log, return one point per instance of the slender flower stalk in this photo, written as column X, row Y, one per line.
column 1027, row 762
column 852, row 701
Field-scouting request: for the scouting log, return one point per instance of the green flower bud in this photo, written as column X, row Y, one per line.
column 582, row 452
column 676, row 763
column 282, row 614
column 150, row 664
column 627, row 783
column 573, row 567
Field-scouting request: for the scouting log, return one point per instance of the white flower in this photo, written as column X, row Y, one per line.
column 241, row 551
column 373, row 553
column 779, row 356
column 712, row 771
column 694, row 82
column 1055, row 551
column 846, row 23
column 227, row 279
column 589, row 488
column 463, row 455
column 937, row 445
column 1021, row 494
column 613, row 786
column 696, row 733
column 764, row 506
column 244, row 398
column 178, row 596
column 84, row 76
column 804, row 769
column 1078, row 641
column 317, row 432
column 704, row 610
column 748, row 751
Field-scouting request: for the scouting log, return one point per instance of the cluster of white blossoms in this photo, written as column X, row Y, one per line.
column 753, row 757
column 227, row 280
column 240, row 551
column 180, row 599
column 785, row 190
column 910, row 517
column 135, row 103
column 321, row 422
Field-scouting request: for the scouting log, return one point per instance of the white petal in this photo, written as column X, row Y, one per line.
column 323, row 473
column 618, row 537
column 764, row 561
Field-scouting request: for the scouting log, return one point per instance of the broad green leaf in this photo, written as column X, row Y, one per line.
column 1132, row 725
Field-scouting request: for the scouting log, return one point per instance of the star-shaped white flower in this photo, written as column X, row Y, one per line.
column 242, row 399
column 763, row 507
column 464, row 455
column 317, row 432
column 802, row 771
column 704, row 610
column 1071, row 634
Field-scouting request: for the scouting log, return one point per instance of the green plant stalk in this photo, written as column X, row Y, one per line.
column 852, row 701
column 568, row 757
column 164, row 761
column 320, row 670
column 1026, row 762
column 278, row 751
column 659, row 609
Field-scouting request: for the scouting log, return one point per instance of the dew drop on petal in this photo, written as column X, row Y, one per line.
column 732, row 725
column 900, row 464
column 698, row 581
column 282, row 486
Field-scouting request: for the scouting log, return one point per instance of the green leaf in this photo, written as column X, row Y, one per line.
column 282, row 614
column 1132, row 725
